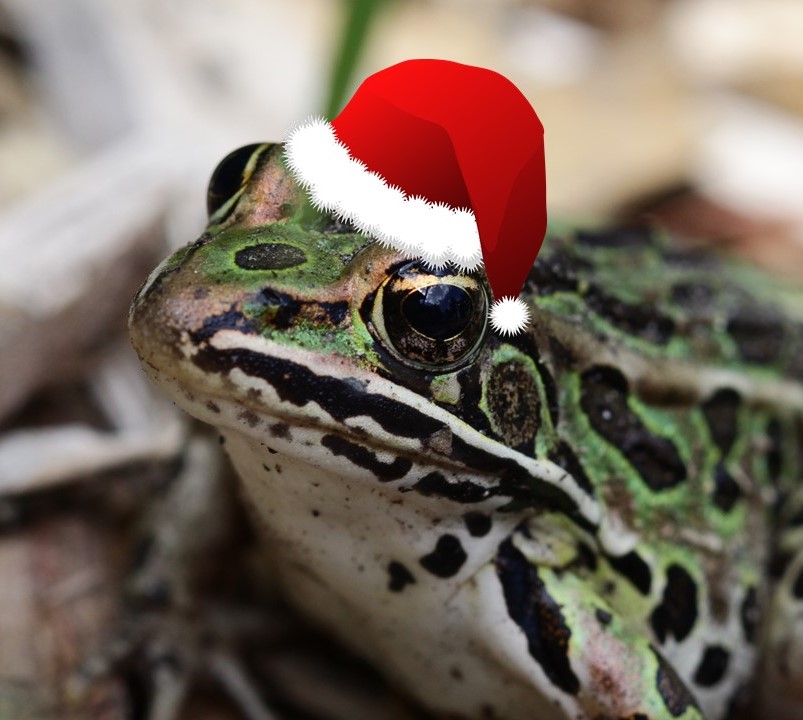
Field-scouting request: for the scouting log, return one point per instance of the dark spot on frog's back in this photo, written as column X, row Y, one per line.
column 514, row 404
column 721, row 414
column 604, row 399
column 726, row 490
column 525, row 343
column 269, row 256
column 758, row 334
column 642, row 320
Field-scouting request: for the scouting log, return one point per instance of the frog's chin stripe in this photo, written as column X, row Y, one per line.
column 358, row 385
column 344, row 186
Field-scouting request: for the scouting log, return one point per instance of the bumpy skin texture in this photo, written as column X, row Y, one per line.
column 589, row 520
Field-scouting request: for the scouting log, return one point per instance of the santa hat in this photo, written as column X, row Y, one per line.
column 442, row 161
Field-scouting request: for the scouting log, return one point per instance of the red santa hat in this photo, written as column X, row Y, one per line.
column 439, row 160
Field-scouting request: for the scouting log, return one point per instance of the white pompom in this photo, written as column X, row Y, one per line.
column 509, row 315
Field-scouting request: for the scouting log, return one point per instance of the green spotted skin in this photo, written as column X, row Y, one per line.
column 599, row 518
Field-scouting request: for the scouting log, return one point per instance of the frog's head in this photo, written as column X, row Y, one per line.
column 278, row 318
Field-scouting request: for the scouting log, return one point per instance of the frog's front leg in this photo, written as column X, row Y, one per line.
column 179, row 626
column 561, row 636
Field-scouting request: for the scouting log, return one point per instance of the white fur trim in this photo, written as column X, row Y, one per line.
column 509, row 315
column 338, row 183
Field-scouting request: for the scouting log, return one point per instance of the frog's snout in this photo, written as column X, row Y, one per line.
column 174, row 309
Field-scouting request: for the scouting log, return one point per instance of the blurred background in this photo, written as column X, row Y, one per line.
column 637, row 96
column 113, row 114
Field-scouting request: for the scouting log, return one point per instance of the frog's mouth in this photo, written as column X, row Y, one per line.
column 313, row 407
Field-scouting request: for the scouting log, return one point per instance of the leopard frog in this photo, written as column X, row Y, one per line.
column 599, row 518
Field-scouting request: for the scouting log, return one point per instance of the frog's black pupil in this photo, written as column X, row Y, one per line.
column 438, row 311
column 227, row 177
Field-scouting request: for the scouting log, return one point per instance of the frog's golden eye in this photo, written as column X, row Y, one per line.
column 230, row 176
column 431, row 319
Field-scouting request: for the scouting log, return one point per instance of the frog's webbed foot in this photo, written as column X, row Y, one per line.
column 178, row 630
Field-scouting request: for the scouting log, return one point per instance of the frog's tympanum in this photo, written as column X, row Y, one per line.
column 600, row 517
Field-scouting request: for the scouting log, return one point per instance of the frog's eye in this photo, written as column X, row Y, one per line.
column 231, row 176
column 431, row 319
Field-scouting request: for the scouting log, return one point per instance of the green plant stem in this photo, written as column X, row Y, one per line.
column 360, row 15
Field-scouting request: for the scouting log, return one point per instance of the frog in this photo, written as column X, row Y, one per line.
column 600, row 517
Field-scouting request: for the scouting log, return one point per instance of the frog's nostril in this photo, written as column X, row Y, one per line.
column 269, row 256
